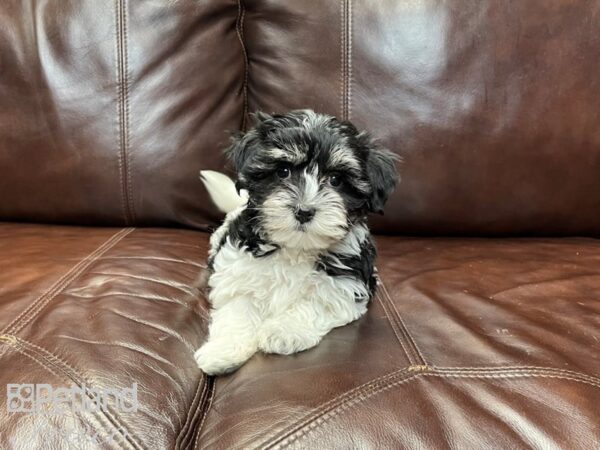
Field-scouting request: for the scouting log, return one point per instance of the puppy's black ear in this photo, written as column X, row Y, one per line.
column 239, row 149
column 382, row 174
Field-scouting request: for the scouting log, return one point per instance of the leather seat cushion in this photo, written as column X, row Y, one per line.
column 469, row 343
column 104, row 308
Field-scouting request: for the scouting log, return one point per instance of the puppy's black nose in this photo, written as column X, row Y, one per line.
column 304, row 215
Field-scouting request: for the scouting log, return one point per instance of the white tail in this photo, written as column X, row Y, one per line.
column 222, row 191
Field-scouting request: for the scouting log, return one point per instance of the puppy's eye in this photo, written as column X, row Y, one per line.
column 335, row 180
column 283, row 172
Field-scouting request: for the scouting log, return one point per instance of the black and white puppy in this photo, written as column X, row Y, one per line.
column 294, row 257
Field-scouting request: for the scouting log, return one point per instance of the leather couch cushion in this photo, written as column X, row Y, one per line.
column 474, row 343
column 492, row 104
column 108, row 109
column 468, row 344
column 103, row 308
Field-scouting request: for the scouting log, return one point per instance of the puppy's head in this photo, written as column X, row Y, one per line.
column 310, row 176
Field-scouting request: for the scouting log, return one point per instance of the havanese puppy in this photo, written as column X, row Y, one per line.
column 294, row 257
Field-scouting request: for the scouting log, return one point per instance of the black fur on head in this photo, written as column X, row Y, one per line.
column 311, row 175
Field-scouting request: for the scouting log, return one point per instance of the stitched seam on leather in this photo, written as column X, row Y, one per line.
column 41, row 301
column 190, row 437
column 521, row 371
column 119, row 112
column 422, row 371
column 394, row 329
column 72, row 374
column 129, row 180
column 346, row 52
column 191, row 414
column 414, row 360
column 210, row 382
column 403, row 326
column 314, row 420
column 343, row 407
column 10, row 342
column 239, row 26
column 349, row 58
column 48, row 358
column 321, row 409
column 123, row 111
column 48, row 369
column 522, row 368
column 342, row 57
column 514, row 375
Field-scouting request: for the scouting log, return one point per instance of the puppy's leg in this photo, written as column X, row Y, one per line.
column 231, row 338
column 303, row 326
column 287, row 334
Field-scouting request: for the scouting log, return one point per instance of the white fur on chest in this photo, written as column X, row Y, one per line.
column 278, row 281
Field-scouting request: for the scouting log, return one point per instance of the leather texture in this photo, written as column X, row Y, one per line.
column 102, row 308
column 111, row 108
column 108, row 109
column 492, row 104
column 469, row 343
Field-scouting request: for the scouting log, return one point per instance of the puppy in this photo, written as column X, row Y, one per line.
column 294, row 257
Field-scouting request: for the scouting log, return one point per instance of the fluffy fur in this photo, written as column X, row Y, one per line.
column 294, row 257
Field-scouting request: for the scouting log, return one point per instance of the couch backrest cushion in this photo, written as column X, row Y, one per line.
column 108, row 109
column 493, row 104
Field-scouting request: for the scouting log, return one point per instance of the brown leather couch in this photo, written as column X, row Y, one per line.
column 485, row 331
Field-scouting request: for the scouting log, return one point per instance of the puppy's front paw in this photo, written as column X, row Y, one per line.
column 218, row 357
column 278, row 338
